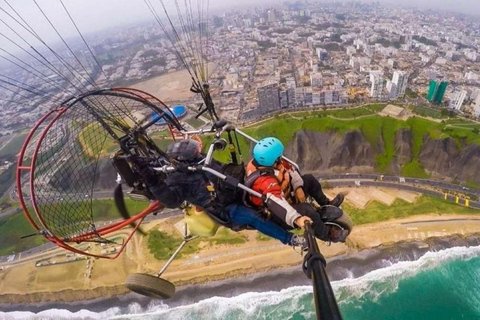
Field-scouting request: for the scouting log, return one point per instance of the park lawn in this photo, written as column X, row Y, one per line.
column 95, row 140
column 420, row 128
column 376, row 211
column 15, row 226
column 12, row 229
column 414, row 169
column 389, row 130
column 162, row 244
column 195, row 122
column 350, row 113
column 427, row 112
column 465, row 134
column 13, row 147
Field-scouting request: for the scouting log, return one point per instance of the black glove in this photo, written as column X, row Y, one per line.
column 182, row 167
column 150, row 176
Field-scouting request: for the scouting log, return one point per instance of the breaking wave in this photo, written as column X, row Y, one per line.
column 388, row 292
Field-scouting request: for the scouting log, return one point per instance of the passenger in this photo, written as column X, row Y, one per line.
column 269, row 173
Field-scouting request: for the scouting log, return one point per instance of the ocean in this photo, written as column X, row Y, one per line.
column 438, row 285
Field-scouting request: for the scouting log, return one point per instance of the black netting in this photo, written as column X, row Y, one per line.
column 67, row 166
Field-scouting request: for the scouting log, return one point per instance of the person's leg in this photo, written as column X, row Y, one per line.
column 246, row 216
column 312, row 187
column 320, row 229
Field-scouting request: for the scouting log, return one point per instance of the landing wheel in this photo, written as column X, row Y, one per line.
column 345, row 222
column 150, row 286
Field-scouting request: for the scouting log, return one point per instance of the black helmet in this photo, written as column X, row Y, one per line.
column 184, row 150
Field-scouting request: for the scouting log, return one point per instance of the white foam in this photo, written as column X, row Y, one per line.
column 371, row 286
column 246, row 304
column 54, row 314
column 386, row 280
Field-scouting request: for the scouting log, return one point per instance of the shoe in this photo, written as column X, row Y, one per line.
column 337, row 201
column 299, row 241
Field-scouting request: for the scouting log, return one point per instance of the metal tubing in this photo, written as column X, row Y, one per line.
column 324, row 298
column 208, row 158
column 165, row 266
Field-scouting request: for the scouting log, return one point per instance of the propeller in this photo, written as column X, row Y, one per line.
column 122, row 208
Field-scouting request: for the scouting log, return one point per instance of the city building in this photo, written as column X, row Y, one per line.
column 476, row 107
column 457, row 100
column 316, row 80
column 268, row 97
column 436, row 91
column 400, row 80
column 378, row 84
column 271, row 16
column 322, row 54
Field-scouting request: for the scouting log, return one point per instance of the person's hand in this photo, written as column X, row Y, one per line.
column 182, row 167
column 300, row 221
column 295, row 179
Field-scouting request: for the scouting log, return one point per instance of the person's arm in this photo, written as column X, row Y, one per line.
column 169, row 195
column 162, row 187
column 268, row 186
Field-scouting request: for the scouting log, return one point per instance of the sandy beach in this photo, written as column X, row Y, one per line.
column 56, row 276
column 26, row 284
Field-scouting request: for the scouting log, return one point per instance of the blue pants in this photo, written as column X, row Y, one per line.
column 245, row 216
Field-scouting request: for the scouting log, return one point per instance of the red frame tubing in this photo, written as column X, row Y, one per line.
column 20, row 168
column 62, row 242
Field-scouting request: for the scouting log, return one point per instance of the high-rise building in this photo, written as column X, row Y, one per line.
column 392, row 90
column 476, row 107
column 322, row 54
column 432, row 89
column 284, row 99
column 457, row 100
column 436, row 91
column 400, row 80
column 299, row 96
column 441, row 92
column 269, row 97
column 271, row 16
column 376, row 90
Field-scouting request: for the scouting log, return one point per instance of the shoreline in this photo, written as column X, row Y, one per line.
column 351, row 264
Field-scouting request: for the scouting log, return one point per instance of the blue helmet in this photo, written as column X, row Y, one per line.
column 267, row 151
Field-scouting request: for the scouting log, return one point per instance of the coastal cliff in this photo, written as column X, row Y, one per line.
column 352, row 152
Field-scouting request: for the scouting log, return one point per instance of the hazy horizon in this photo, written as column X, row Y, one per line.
column 92, row 15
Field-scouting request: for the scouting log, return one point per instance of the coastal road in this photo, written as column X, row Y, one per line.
column 429, row 192
column 403, row 180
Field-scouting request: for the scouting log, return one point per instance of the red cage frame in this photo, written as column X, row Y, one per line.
column 54, row 115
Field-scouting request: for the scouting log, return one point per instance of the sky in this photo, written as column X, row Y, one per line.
column 95, row 15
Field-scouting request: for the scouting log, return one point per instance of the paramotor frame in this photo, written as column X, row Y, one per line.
column 61, row 156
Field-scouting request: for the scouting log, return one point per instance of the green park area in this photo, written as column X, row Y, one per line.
column 375, row 128
column 15, row 226
column 162, row 244
column 365, row 119
column 11, row 145
column 376, row 211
